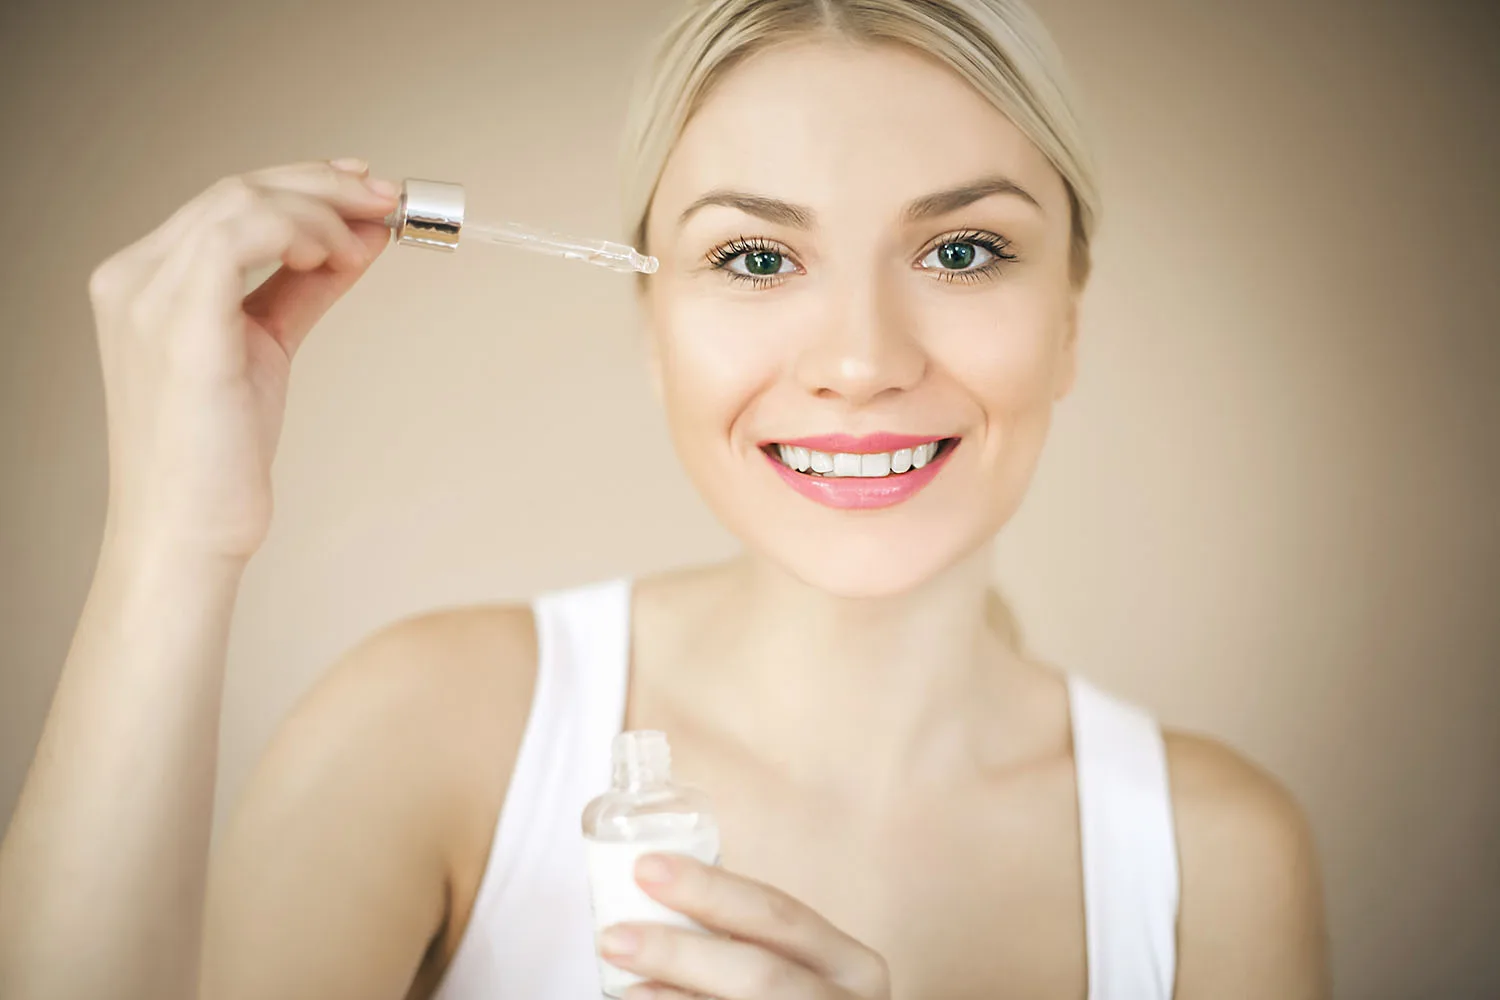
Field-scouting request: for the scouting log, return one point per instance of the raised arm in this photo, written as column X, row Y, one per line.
column 102, row 869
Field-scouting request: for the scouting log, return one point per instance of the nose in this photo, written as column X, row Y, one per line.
column 865, row 349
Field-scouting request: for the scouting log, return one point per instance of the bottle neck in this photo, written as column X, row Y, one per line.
column 642, row 761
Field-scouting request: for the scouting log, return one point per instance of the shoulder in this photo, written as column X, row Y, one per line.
column 438, row 661
column 422, row 720
column 1219, row 791
column 1251, row 917
column 367, row 823
column 412, row 726
column 422, row 688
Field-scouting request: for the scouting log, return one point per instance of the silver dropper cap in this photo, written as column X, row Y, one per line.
column 430, row 214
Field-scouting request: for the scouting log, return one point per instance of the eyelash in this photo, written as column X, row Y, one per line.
column 998, row 246
column 720, row 256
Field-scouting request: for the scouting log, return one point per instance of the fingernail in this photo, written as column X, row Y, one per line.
column 653, row 868
column 383, row 188
column 620, row 941
column 350, row 164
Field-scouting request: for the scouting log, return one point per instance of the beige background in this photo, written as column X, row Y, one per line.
column 1269, row 512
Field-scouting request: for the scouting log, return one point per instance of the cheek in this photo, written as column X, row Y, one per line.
column 715, row 359
column 1007, row 354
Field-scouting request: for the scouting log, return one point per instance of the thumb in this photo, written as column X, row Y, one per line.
column 289, row 303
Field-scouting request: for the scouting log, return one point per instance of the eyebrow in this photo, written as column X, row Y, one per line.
column 953, row 199
column 784, row 213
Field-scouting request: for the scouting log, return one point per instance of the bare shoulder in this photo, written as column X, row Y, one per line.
column 353, row 856
column 1213, row 785
column 443, row 691
column 430, row 710
column 451, row 666
column 1251, row 919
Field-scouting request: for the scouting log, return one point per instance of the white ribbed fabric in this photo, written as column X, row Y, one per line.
column 530, row 936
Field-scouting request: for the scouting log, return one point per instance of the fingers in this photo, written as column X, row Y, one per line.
column 756, row 912
column 353, row 193
column 204, row 271
column 290, row 302
column 195, row 371
column 245, row 226
column 690, row 962
column 327, row 231
column 323, row 222
column 349, row 192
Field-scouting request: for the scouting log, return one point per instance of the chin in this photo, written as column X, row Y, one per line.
column 854, row 563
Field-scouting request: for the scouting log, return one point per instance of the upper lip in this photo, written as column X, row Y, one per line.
column 864, row 444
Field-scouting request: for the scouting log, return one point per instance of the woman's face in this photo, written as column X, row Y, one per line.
column 863, row 314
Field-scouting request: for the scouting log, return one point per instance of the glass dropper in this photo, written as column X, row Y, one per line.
column 615, row 256
column 431, row 214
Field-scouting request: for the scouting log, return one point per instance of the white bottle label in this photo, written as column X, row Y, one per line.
column 617, row 898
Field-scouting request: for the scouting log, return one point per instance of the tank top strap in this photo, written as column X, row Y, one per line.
column 583, row 652
column 583, row 644
column 535, row 888
column 1129, row 847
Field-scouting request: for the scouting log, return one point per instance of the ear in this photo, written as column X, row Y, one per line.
column 1067, row 360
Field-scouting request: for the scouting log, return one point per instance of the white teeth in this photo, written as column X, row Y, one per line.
column 864, row 466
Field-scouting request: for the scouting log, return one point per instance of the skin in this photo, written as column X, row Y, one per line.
column 837, row 690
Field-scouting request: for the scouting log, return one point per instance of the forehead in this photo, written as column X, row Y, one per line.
column 836, row 125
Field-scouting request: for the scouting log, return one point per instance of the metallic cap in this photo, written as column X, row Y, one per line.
column 430, row 214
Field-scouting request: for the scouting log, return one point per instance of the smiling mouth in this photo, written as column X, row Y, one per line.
column 849, row 465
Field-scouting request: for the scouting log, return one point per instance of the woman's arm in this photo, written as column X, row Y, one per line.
column 1251, row 920
column 102, row 870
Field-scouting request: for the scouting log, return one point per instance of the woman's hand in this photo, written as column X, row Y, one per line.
column 774, row 948
column 195, row 371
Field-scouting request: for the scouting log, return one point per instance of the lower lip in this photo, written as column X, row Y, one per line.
column 857, row 493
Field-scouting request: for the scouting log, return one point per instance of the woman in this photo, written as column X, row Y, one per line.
column 874, row 220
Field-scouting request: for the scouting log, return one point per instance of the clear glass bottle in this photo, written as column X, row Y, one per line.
column 642, row 813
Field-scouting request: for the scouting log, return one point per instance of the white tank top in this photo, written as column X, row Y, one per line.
column 530, row 935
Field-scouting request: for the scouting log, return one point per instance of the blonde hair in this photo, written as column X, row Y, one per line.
column 998, row 46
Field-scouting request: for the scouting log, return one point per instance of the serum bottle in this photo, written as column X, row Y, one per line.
column 642, row 813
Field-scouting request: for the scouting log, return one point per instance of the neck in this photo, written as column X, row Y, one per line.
column 879, row 686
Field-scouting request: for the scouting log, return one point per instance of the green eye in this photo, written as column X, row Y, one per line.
column 967, row 256
column 959, row 256
column 759, row 262
column 763, row 263
column 956, row 256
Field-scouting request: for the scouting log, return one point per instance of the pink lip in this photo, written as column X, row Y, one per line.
column 862, row 494
column 869, row 444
